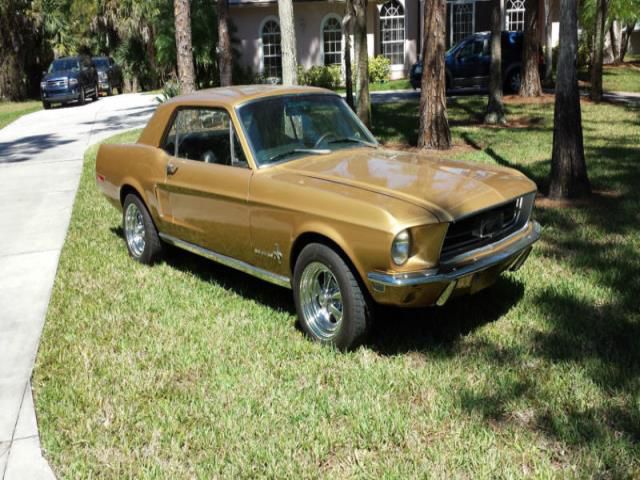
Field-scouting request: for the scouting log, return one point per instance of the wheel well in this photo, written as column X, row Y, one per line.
column 311, row 237
column 126, row 190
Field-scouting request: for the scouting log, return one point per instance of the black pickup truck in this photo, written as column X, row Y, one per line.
column 69, row 79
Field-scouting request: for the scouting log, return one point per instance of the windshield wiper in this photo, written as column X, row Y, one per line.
column 317, row 151
column 352, row 140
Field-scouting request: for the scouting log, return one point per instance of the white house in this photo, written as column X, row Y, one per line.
column 394, row 29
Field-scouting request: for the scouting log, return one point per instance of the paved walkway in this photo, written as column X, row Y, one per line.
column 40, row 164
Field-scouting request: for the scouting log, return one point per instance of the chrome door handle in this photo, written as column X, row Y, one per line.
column 171, row 168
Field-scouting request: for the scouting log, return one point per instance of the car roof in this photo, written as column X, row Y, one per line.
column 233, row 96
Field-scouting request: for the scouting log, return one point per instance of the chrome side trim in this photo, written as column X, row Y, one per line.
column 234, row 263
column 450, row 273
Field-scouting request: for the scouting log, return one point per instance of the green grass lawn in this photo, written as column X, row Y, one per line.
column 619, row 78
column 10, row 111
column 189, row 369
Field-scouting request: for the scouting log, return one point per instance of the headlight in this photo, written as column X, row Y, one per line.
column 401, row 247
column 43, row 85
column 73, row 81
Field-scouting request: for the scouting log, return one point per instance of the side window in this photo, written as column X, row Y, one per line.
column 204, row 135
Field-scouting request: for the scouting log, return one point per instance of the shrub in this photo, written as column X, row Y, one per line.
column 321, row 76
column 170, row 89
column 379, row 69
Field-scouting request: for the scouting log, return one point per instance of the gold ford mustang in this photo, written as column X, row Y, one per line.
column 286, row 184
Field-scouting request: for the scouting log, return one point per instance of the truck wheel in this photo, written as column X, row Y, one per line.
column 331, row 306
column 109, row 90
column 46, row 105
column 512, row 84
column 82, row 100
column 96, row 93
column 140, row 233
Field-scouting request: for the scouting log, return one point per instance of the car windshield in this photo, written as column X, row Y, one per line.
column 101, row 62
column 287, row 127
column 64, row 64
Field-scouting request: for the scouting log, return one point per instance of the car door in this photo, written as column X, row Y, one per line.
column 469, row 63
column 207, row 182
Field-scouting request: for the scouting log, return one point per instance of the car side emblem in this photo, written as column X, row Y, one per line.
column 276, row 254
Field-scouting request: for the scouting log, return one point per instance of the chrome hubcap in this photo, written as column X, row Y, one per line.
column 321, row 300
column 134, row 230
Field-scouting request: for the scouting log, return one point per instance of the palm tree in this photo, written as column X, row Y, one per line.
column 363, row 100
column 495, row 107
column 225, row 56
column 288, row 42
column 184, row 50
column 568, row 167
column 530, row 85
column 434, row 124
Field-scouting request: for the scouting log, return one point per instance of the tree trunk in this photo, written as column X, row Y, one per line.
column 288, row 42
column 598, row 50
column 568, row 168
column 363, row 100
column 347, row 23
column 495, row 107
column 434, row 125
column 225, row 57
column 13, row 50
column 548, row 47
column 184, row 49
column 614, row 40
column 624, row 39
column 531, row 86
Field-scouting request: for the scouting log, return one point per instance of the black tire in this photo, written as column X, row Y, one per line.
column 151, row 251
column 46, row 105
column 96, row 93
column 83, row 99
column 109, row 91
column 512, row 82
column 354, row 325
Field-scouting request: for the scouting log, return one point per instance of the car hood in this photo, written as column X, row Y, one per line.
column 448, row 189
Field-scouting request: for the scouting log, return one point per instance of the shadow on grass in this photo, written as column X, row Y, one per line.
column 436, row 329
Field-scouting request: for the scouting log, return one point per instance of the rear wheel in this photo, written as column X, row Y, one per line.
column 140, row 232
column 46, row 105
column 330, row 303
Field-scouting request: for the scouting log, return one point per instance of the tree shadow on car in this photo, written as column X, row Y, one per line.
column 398, row 330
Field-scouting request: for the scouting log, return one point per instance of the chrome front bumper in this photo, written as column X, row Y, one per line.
column 463, row 265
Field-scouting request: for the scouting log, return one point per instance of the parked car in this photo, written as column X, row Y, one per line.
column 468, row 62
column 69, row 79
column 109, row 75
column 287, row 184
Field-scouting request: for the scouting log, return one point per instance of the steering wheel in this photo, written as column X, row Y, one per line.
column 323, row 138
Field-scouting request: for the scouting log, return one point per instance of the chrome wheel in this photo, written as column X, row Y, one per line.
column 134, row 230
column 321, row 300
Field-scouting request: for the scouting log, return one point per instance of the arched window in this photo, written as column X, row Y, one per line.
column 514, row 15
column 392, row 32
column 332, row 41
column 271, row 50
column 462, row 21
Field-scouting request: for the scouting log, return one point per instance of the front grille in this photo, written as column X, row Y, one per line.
column 487, row 226
column 57, row 83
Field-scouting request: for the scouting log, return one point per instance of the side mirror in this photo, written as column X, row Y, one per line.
column 44, row 73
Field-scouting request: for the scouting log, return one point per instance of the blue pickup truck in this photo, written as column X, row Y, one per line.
column 468, row 62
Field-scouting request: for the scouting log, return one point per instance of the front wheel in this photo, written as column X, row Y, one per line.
column 46, row 105
column 512, row 84
column 330, row 303
column 83, row 99
column 140, row 232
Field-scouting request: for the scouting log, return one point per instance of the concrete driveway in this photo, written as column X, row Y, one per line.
column 40, row 164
